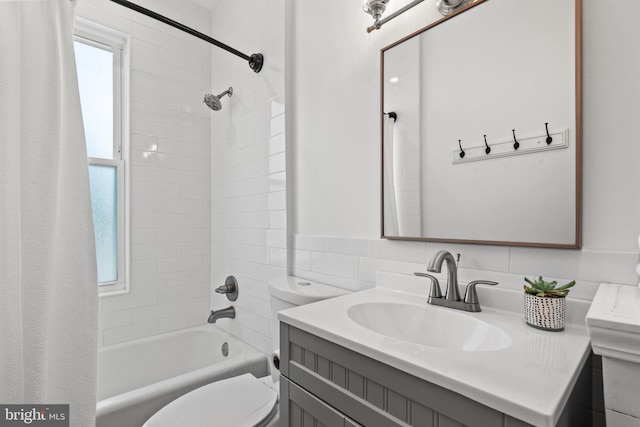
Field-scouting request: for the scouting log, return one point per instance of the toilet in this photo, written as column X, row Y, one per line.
column 244, row 400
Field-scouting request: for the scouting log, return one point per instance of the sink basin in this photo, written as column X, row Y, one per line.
column 429, row 326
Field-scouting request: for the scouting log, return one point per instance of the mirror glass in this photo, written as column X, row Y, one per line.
column 481, row 127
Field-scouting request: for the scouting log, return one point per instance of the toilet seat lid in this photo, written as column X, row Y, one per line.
column 239, row 401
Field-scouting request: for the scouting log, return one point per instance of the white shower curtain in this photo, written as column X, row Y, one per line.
column 48, row 280
column 391, row 226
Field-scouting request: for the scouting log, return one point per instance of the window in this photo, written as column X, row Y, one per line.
column 99, row 60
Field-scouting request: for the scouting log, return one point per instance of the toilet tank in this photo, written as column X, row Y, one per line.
column 290, row 291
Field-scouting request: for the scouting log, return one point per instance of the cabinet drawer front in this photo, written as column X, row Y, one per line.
column 372, row 393
column 301, row 409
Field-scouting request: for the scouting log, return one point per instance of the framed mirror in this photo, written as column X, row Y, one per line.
column 481, row 127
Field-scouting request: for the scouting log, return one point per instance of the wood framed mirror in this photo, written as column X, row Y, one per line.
column 481, row 125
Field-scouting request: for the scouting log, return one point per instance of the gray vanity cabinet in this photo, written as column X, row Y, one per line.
column 329, row 385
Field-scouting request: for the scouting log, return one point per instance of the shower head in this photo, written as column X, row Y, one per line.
column 213, row 101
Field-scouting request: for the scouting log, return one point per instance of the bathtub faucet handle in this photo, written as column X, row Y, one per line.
column 230, row 288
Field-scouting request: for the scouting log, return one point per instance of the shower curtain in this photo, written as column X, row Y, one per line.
column 48, row 280
column 391, row 226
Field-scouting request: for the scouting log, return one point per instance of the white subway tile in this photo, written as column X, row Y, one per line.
column 277, row 163
column 141, row 205
column 144, row 173
column 310, row 243
column 178, row 293
column 157, row 281
column 140, row 47
column 370, row 266
column 479, row 257
column 195, row 276
column 302, row 260
column 278, row 220
column 143, row 235
column 99, row 15
column 179, row 322
column 277, row 181
column 257, row 288
column 277, row 239
column 278, row 257
column 180, row 263
column 335, row 264
column 154, row 250
column 256, row 254
column 339, row 245
column 114, row 319
column 144, row 266
column 123, row 302
column 277, row 144
column 144, row 142
column 197, row 304
column 130, row 332
column 155, row 312
column 588, row 265
column 398, row 250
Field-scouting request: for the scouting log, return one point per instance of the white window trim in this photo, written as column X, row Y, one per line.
column 104, row 37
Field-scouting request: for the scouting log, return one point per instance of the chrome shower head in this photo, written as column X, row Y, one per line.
column 213, row 101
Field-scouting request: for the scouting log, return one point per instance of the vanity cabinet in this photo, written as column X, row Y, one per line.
column 326, row 384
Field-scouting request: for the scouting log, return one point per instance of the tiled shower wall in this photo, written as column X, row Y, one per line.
column 169, row 159
column 248, row 161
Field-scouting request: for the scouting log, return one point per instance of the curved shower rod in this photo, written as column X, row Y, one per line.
column 255, row 61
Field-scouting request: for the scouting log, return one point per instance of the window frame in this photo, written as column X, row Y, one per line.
column 118, row 43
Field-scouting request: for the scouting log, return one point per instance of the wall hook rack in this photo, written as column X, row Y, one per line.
column 488, row 149
column 516, row 144
column 526, row 144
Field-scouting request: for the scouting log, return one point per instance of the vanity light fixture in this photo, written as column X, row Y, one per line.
column 445, row 7
column 376, row 8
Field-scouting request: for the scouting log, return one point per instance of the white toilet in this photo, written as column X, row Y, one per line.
column 244, row 400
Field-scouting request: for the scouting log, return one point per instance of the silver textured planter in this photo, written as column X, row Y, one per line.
column 546, row 313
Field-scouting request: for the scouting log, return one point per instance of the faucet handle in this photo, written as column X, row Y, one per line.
column 471, row 296
column 434, row 292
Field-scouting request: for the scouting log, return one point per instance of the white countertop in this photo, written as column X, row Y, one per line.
column 614, row 322
column 530, row 380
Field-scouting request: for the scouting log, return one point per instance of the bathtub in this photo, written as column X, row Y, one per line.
column 137, row 378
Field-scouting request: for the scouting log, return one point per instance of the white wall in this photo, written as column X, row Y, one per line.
column 248, row 164
column 170, row 172
column 334, row 139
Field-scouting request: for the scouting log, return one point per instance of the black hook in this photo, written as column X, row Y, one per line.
column 549, row 139
column 392, row 115
column 488, row 149
column 516, row 144
column 461, row 150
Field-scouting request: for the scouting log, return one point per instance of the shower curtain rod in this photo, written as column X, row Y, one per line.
column 255, row 61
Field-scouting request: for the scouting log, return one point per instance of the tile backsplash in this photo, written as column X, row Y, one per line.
column 353, row 263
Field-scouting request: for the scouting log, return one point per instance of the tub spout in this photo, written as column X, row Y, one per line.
column 219, row 314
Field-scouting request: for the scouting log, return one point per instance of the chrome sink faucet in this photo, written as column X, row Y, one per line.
column 435, row 266
column 452, row 298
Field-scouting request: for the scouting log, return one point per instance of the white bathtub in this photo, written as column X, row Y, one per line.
column 137, row 378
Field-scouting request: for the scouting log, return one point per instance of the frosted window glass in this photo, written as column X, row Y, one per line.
column 95, row 80
column 105, row 220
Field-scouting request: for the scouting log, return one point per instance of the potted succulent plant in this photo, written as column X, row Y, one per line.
column 544, row 304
